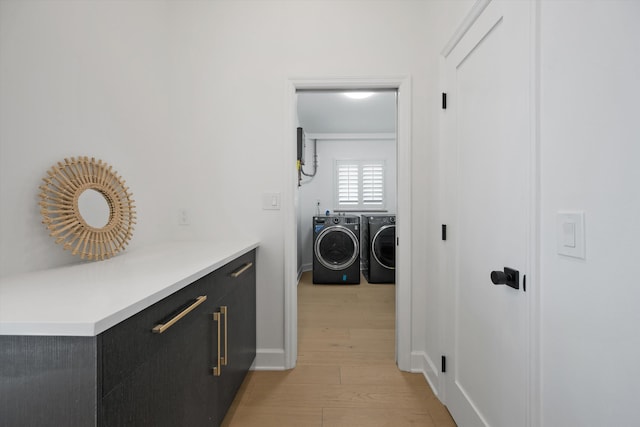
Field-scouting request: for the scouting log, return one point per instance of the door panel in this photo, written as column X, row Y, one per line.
column 489, row 140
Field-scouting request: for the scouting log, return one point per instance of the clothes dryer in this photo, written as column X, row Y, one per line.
column 336, row 249
column 379, row 248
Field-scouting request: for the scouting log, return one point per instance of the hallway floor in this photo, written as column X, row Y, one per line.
column 346, row 373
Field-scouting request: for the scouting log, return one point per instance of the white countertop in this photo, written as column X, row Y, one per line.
column 87, row 299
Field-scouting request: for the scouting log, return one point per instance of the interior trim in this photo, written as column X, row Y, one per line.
column 351, row 136
column 477, row 9
column 403, row 227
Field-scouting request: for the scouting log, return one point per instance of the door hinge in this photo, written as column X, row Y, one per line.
column 444, row 231
column 443, row 364
column 397, row 241
column 444, row 101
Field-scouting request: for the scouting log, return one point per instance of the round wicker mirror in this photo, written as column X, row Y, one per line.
column 77, row 192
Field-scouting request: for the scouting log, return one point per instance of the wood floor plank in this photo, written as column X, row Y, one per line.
column 345, row 358
column 362, row 346
column 362, row 319
column 370, row 308
column 339, row 396
column 374, row 417
column 273, row 417
column 358, row 340
column 372, row 334
column 381, row 375
column 310, row 374
column 311, row 333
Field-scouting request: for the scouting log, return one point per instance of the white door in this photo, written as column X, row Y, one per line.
column 488, row 143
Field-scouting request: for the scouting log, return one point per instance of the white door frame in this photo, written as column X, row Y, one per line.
column 403, row 227
column 534, row 406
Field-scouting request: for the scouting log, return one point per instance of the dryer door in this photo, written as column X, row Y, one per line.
column 383, row 246
column 336, row 247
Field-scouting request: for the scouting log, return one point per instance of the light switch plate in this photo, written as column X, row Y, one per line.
column 570, row 234
column 271, row 201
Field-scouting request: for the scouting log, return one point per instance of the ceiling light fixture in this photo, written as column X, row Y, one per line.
column 358, row 95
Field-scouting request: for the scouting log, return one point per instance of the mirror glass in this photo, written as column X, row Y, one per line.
column 94, row 208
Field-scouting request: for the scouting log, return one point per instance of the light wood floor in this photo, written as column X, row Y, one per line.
column 346, row 373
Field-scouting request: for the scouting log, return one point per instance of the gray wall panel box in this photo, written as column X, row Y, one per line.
column 301, row 145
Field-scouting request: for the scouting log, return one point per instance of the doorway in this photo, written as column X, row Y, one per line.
column 347, row 150
column 403, row 211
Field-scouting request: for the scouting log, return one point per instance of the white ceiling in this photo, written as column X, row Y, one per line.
column 333, row 112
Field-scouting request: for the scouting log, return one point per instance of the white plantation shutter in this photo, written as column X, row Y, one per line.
column 347, row 184
column 373, row 184
column 359, row 185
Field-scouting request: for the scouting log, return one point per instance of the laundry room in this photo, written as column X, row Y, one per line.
column 346, row 169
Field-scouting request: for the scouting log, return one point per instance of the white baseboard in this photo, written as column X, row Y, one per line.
column 303, row 268
column 268, row 359
column 421, row 363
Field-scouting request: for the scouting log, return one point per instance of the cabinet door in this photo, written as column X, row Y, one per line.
column 242, row 325
column 167, row 389
column 162, row 379
column 239, row 323
column 129, row 344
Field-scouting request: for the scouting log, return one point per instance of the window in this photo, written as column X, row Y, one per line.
column 359, row 185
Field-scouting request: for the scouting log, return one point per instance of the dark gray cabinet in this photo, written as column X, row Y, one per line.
column 238, row 336
column 131, row 376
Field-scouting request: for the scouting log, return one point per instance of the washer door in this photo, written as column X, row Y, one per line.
column 383, row 246
column 336, row 247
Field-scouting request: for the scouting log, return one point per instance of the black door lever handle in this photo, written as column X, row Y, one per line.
column 509, row 277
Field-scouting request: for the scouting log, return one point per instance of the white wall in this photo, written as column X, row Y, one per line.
column 590, row 148
column 234, row 59
column 589, row 88
column 186, row 100
column 80, row 78
column 321, row 186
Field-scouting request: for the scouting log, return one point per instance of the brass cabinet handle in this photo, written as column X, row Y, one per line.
column 216, row 369
column 161, row 327
column 223, row 311
column 242, row 270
